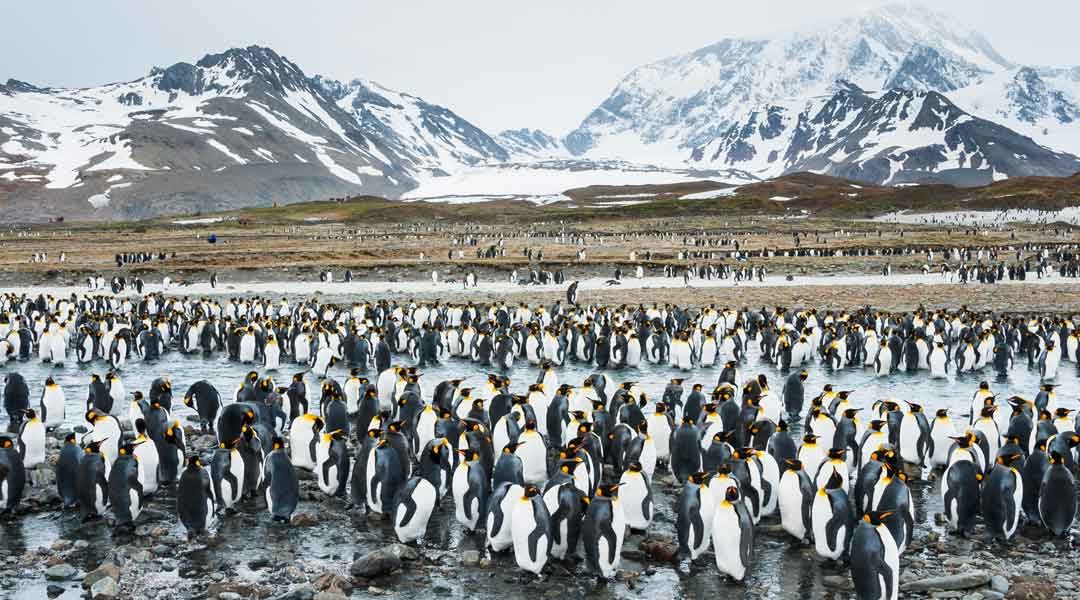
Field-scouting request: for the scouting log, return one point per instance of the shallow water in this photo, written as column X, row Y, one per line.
column 783, row 569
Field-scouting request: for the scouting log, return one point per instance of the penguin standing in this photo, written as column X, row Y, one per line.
column 206, row 401
column 1057, row 497
column 694, row 514
column 531, row 527
column 53, row 409
column 32, row 442
column 1002, row 498
column 960, row 495
column 831, row 519
column 876, row 574
column 733, row 536
column 685, row 448
column 470, row 489
column 332, row 463
column 67, row 472
column 416, row 502
column 195, row 500
column 12, row 476
column 303, row 440
column 795, row 496
column 635, row 493
column 603, row 529
column 227, row 474
column 125, row 489
column 92, row 482
column 282, row 484
column 500, row 514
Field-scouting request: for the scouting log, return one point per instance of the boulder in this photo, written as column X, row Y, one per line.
column 375, row 564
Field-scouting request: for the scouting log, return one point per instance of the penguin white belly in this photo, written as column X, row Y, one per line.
column 247, row 348
column 533, row 458
column 633, row 353
column 770, row 475
column 33, row 439
column 909, row 439
column 708, row 510
column 54, row 407
column 523, row 524
column 632, row 493
column 789, row 501
column 503, row 537
column 661, row 434
column 820, row 514
column 272, row 355
column 648, row 458
column 941, row 434
column 425, row 429
column 727, row 539
column 385, row 388
column 148, row 462
column 424, row 496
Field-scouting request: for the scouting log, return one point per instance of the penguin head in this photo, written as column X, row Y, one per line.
column 1056, row 458
column 90, row 448
column 837, row 454
column 699, row 478
column 278, row 443
column 49, row 381
column 793, row 464
column 731, row 495
column 608, row 491
column 914, row 408
column 810, row 439
column 194, row 462
column 70, row 439
column 877, row 517
column 467, row 455
column 1073, row 439
column 1008, row 459
column 127, row 448
column 531, row 491
column 511, row 447
column 942, row 413
column 835, row 482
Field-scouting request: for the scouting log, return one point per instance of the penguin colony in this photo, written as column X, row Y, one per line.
column 549, row 469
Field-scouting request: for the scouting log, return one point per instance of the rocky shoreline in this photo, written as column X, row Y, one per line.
column 330, row 552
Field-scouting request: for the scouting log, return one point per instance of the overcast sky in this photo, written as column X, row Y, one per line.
column 498, row 63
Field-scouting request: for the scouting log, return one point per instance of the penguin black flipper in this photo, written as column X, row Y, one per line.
column 608, row 533
column 405, row 499
column 838, row 520
column 543, row 524
column 746, row 540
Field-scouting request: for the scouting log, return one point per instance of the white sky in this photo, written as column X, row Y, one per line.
column 498, row 63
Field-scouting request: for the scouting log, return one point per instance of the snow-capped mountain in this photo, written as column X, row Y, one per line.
column 679, row 103
column 795, row 101
column 427, row 137
column 524, row 144
column 893, row 137
column 246, row 127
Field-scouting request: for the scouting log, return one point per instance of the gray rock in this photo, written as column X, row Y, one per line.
column 105, row 570
column 999, row 584
column 61, row 572
column 838, row 582
column 229, row 596
column 104, row 588
column 960, row 581
column 470, row 558
column 992, row 595
column 375, row 564
column 303, row 592
column 403, row 552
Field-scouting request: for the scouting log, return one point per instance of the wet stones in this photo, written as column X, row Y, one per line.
column 61, row 572
column 376, row 564
column 959, row 581
column 104, row 571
